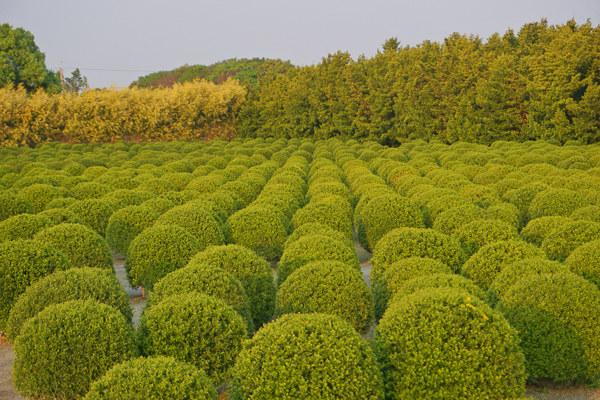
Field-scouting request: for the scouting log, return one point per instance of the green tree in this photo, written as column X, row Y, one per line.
column 22, row 62
column 76, row 83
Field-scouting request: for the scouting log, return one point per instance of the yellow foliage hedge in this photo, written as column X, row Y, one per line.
column 198, row 109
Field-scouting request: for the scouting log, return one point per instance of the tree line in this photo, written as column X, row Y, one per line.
column 541, row 83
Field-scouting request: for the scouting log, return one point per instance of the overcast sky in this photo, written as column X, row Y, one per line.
column 116, row 41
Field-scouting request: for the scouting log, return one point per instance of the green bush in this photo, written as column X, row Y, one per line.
column 259, row 229
column 216, row 211
column 156, row 185
column 585, row 261
column 524, row 195
column 125, row 224
column 157, row 251
column 331, row 215
column 512, row 273
column 89, row 190
column 60, row 216
column 473, row 235
column 306, row 356
column 11, row 205
column 82, row 246
column 313, row 248
column 253, row 271
column 23, row 262
column 589, row 213
column 413, row 285
column 23, row 226
column 449, row 221
column 95, row 213
column 316, row 228
column 61, row 286
column 384, row 213
column 415, row 242
column 209, row 280
column 438, row 205
column 39, row 195
column 557, row 318
column 126, row 197
column 400, row 272
column 152, row 378
column 444, row 343
column 195, row 328
column 61, row 202
column 506, row 212
column 197, row 221
column 538, row 229
column 67, row 346
column 561, row 242
column 328, row 287
column 161, row 205
column 485, row 265
column 557, row 202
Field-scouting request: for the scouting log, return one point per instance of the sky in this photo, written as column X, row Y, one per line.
column 113, row 42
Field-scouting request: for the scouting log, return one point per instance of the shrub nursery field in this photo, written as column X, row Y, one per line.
column 485, row 270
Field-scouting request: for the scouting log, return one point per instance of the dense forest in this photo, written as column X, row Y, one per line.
column 541, row 83
column 244, row 70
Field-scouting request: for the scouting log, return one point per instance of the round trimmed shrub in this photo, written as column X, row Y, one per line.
column 316, row 228
column 431, row 281
column 89, row 190
column 400, row 272
column 537, row 229
column 331, row 215
column 415, row 242
column 23, row 262
column 561, row 242
column 506, row 212
column 259, row 229
column 589, row 213
column 438, row 205
column 39, row 195
column 512, row 273
column 23, row 226
column 95, row 213
column 157, row 251
column 61, row 202
column 61, row 286
column 209, row 280
column 306, row 356
column 197, row 221
column 243, row 190
column 160, row 204
column 485, row 265
column 384, row 213
column 216, row 211
column 152, row 378
column 253, row 271
column 157, row 185
column 67, row 346
column 478, row 233
column 557, row 318
column 585, row 261
column 446, row 343
column 328, row 287
column 195, row 328
column 82, row 246
column 125, row 224
column 313, row 248
column 126, row 197
column 523, row 196
column 449, row 221
column 557, row 202
column 11, row 205
column 60, row 216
